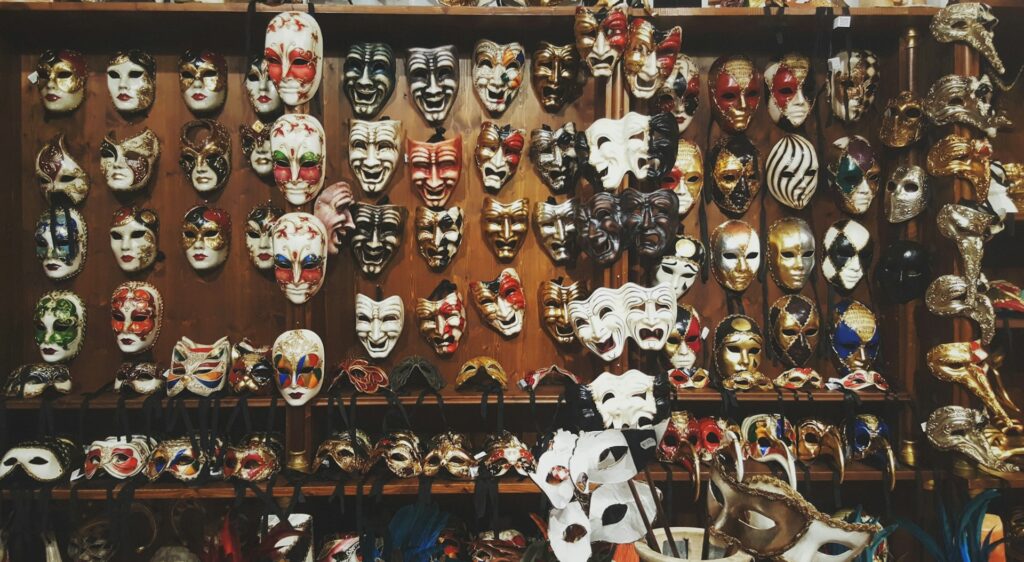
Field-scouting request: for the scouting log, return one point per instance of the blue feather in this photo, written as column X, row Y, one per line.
column 414, row 530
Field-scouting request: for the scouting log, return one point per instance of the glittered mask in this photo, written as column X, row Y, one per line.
column 401, row 452
column 60, row 76
column 369, row 77
column 791, row 171
column 300, row 255
column 965, row 100
column 136, row 315
column 61, row 242
column 259, row 240
column 498, row 150
column 498, row 70
column 377, row 235
column 59, row 319
column 59, row 174
column 501, row 302
column 736, row 255
column 298, row 357
column 971, row 23
column 438, row 235
column 685, row 342
column 251, row 368
column 442, row 318
column 299, row 151
column 553, row 153
column 433, row 81
column 505, row 225
column 601, row 36
column 852, row 84
column 951, row 295
column 635, row 144
column 260, row 88
column 133, row 238
column 968, row 364
column 504, row 453
column 131, row 80
column 599, row 322
column 964, row 431
column 855, row 172
column 255, row 141
column 680, row 269
column 199, row 368
column 906, row 194
column 734, row 86
column 141, row 378
column 793, row 329
column 257, row 457
column 855, row 336
column 556, row 75
column 651, row 219
column 848, row 249
column 333, row 208
column 349, row 450
column 790, row 252
column 205, row 154
column 434, row 168
column 680, row 94
column 556, row 228
column 964, row 158
column 379, row 323
column 650, row 313
column 902, row 121
column 365, row 378
column 450, row 452
column 969, row 228
column 735, row 173
column 599, row 228
column 903, row 271
column 206, row 237
column 481, row 372
column 34, row 379
column 180, row 459
column 294, row 50
column 625, row 401
column 121, row 457
column 790, row 90
column 739, row 349
column 555, row 298
column 127, row 165
column 373, row 148
column 650, row 57
column 687, row 175
column 203, row 80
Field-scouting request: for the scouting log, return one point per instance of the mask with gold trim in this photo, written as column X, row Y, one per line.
column 137, row 311
column 257, row 457
column 739, row 348
column 848, row 249
column 121, row 457
column 687, row 175
column 869, row 437
column 49, row 459
column 734, row 86
column 965, row 100
column 555, row 298
column 59, row 318
column 599, row 228
column 60, row 77
column 501, row 302
column 482, row 372
column 651, row 219
column 61, row 240
column 347, row 454
column 556, row 75
column 498, row 150
column 601, row 34
column 969, row 227
column 205, row 159
column 684, row 348
column 902, row 121
column 142, row 378
column 771, row 438
column 708, row 435
column 434, row 167
column 251, row 367
column 505, row 225
column 816, row 439
column 793, row 329
column 433, row 81
column 369, row 77
column 791, row 93
column 556, row 228
column 554, row 156
column 680, row 95
column 971, row 23
column 294, row 49
column 32, row 380
column 966, row 363
column 852, row 84
column 442, row 318
column 506, row 452
column 790, row 252
column 59, row 173
column 798, row 378
column 298, row 358
column 498, row 70
column 255, row 141
column 854, row 174
column 260, row 88
column 299, row 151
column 259, row 226
column 199, row 368
column 450, row 451
column 439, row 235
column 679, row 269
column 401, row 452
column 735, row 174
column 203, row 79
column 963, row 158
column 127, row 165
column 855, row 336
column 736, row 255
column 364, row 377
column 650, row 57
column 181, row 460
column 965, row 431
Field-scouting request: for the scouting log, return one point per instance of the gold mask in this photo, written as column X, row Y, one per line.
column 450, row 451
column 965, row 431
column 350, row 456
column 790, row 252
column 736, row 255
column 505, row 225
column 815, row 438
column 555, row 72
column 487, row 366
column 401, row 452
column 735, row 88
column 949, row 295
column 738, row 352
column 969, row 228
column 687, row 175
column 439, row 235
column 965, row 363
column 964, row 158
column 799, row 377
column 1015, row 182
column 902, row 121
column 555, row 298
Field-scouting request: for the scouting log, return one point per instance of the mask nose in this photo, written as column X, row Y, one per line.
column 374, row 240
column 650, row 67
column 434, row 181
column 559, row 230
column 265, row 243
column 296, row 270
column 200, row 243
column 601, row 43
column 126, row 243
column 371, row 160
column 438, row 237
column 122, row 84
column 433, row 87
column 364, row 78
column 506, row 228
column 296, row 167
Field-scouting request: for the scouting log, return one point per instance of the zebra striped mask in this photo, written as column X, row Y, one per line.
column 791, row 171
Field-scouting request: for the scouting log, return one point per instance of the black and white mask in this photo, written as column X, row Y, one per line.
column 680, row 269
column 379, row 323
column 377, row 235
column 369, row 77
column 433, row 81
column 554, row 156
column 791, row 171
column 848, row 251
column 556, row 228
column 373, row 148
column 637, row 144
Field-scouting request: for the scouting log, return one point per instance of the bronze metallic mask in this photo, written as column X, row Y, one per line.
column 965, row 431
column 965, row 363
column 790, row 252
column 816, row 439
column 349, row 455
column 556, row 228
column 736, row 255
column 556, row 74
column 965, row 100
column 482, row 367
column 902, row 121
column 555, row 298
column 964, row 158
column 452, row 452
column 505, row 225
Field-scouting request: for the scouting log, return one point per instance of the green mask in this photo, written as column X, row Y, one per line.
column 59, row 325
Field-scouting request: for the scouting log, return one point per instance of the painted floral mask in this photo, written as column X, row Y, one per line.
column 680, row 95
column 498, row 150
column 299, row 151
column 651, row 219
column 793, row 329
column 650, row 57
column 433, row 81
column 736, row 255
column 205, row 158
column 59, row 318
column 377, row 235
column 259, row 241
column 687, row 175
column 556, row 228
column 601, row 35
column 298, row 356
column 855, row 336
column 734, row 86
column 555, row 298
column 59, row 173
column 434, row 168
column 791, row 171
column 852, row 84
column 790, row 90
column 790, row 252
column 255, row 141
column 203, row 79
column 965, row 100
column 739, row 348
column 679, row 269
column 61, row 242
column 128, row 165
column 379, row 324
column 735, row 173
column 260, row 88
column 439, row 235
column 505, row 225
column 848, row 249
column 199, row 368
column 373, row 148
column 501, row 301
column 300, row 255
column 206, row 237
column 855, row 174
column 637, row 144
column 556, row 75
column 498, row 70
column 599, row 228
column 442, row 318
column 369, row 77
column 131, row 80
column 60, row 77
column 554, row 156
column 136, row 313
column 294, row 50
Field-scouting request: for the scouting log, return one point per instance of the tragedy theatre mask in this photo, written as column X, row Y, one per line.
column 902, row 121
column 61, row 242
column 133, row 238
column 680, row 268
column 255, row 141
column 505, row 225
column 298, row 356
column 793, row 329
column 59, row 173
column 735, row 173
column 625, row 401
column 790, row 252
column 294, row 50
column 369, row 77
column 735, row 255
column 855, row 172
column 852, row 84
column 59, row 318
column 848, row 249
column 136, row 315
column 906, row 194
column 206, row 237
column 965, row 100
column 971, row 23
column 131, row 80
column 498, row 72
column 60, row 77
column 433, row 81
column 439, row 235
column 434, row 168
column 638, row 144
column 649, row 314
column 651, row 219
column 734, row 86
column 554, row 299
column 203, row 80
column 259, row 241
column 601, row 36
column 379, row 324
column 442, row 318
column 556, row 228
column 739, row 348
column 791, row 171
column 599, row 322
column 128, row 164
column 498, row 150
column 556, row 75
column 687, row 176
column 205, row 154
column 377, row 235
column 373, row 148
column 599, row 228
column 650, row 57
column 299, row 150
column 260, row 89
column 501, row 301
column 554, row 156
column 855, row 336
column 300, row 255
column 791, row 93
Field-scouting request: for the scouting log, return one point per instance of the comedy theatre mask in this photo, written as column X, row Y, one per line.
column 555, row 298
column 638, row 144
column 791, row 171
column 965, row 100
column 61, row 242
column 121, row 457
column 684, row 348
column 680, row 95
column 294, row 50
column 433, row 81
column 790, row 252
column 735, row 255
column 793, row 329
column 738, row 352
column 557, row 75
column 128, row 164
column 377, row 235
column 333, row 208
column 852, row 84
column 771, row 438
column 59, row 173
column 847, row 254
column 815, row 439
column 599, row 322
column 964, row 431
column 687, row 175
column 205, row 157
column 434, row 168
column 735, row 173
column 903, row 120
column 142, row 378
column 136, row 314
column 651, row 219
column 379, row 324
column 650, row 57
column 505, row 225
column 59, row 318
column 967, row 364
column 260, row 89
column 255, row 143
column 251, row 368
column 599, row 228
column 373, row 153
column 679, row 270
column 369, row 77
column 439, row 235
column 501, row 301
column 964, row 158
column 790, row 90
column 298, row 356
column 625, row 401
column 498, row 70
column 300, row 255
column 60, row 76
column 133, row 238
column 855, row 174
column 131, row 80
column 348, row 450
column 601, row 36
column 906, row 194
column 497, row 154
column 904, row 271
column 650, row 313
column 299, row 152
column 734, row 86
column 203, row 79
column 554, row 157
column 971, row 23
column 259, row 239
column 199, row 368
column 442, row 318
column 855, row 336
column 450, row 451
column 206, row 237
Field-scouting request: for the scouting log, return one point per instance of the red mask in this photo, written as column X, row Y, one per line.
column 135, row 316
column 435, row 168
column 675, row 434
column 735, row 87
column 706, row 435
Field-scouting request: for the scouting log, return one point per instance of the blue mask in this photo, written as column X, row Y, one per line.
column 855, row 336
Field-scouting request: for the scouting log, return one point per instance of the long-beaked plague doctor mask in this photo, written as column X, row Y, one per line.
column 199, row 368
column 553, row 153
column 206, row 237
column 965, row 431
column 681, row 268
column 442, row 318
column 557, row 75
column 601, row 34
column 59, row 173
column 133, row 238
column 686, row 178
column 971, row 23
column 965, row 100
column 855, row 173
column 203, row 80
column 848, row 249
column 735, row 255
column 59, row 319
column 965, row 158
column 299, row 151
column 680, row 94
column 902, row 121
column 501, row 301
column 739, row 348
column 734, row 86
column 599, row 228
column 791, row 171
column 61, row 241
column 650, row 57
column 435, row 166
column 433, row 81
column 771, row 438
column 136, row 316
column 259, row 239
column 498, row 72
column 260, row 89
column 377, row 235
column 505, row 225
column 379, row 323
column 300, row 255
column 869, row 437
column 369, row 77
column 373, row 150
column 205, row 157
column 497, row 154
column 852, row 84
column 255, row 141
column 951, row 295
column 790, row 90
column 298, row 356
column 651, row 219
column 734, row 170
column 439, row 235
column 131, row 81
column 790, row 252
column 294, row 50
column 599, row 322
column 554, row 299
column 128, row 164
column 637, row 144
column 906, row 194
column 556, row 228
column 60, row 76
column 968, row 364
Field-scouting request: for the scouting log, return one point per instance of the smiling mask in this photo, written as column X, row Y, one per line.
column 377, row 235
column 501, row 301
column 373, row 148
column 599, row 322
column 379, row 324
column 369, row 77
column 498, row 72
column 433, row 81
column 635, row 144
column 434, row 168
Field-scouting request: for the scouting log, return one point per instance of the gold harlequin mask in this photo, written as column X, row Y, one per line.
column 902, row 121
column 555, row 298
column 505, row 225
column 450, row 451
column 964, row 158
column 815, row 439
column 487, row 366
column 350, row 455
column 965, row 363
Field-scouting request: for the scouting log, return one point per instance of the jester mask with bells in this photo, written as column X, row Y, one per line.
column 965, row 431
column 903, row 120
column 498, row 70
column 127, row 165
column 498, row 150
column 133, row 238
column 966, row 363
column 259, row 239
column 847, row 254
column 599, row 322
column 855, row 336
column 294, row 50
column 734, row 86
column 379, row 324
column 205, row 154
column 906, row 194
column 556, row 228
column 650, row 313
column 790, row 252
column 131, row 80
column 553, row 153
column 203, row 80
column 852, row 84
column 333, row 208
column 739, row 348
column 625, row 401
column 298, row 356
column 687, row 175
column 61, row 242
column 651, row 219
column 679, row 269
column 791, row 171
column 501, row 301
column 735, row 173
column 373, row 148
column 300, row 255
column 599, row 229
column 790, row 90
column 854, row 174
column 206, row 237
column 557, row 75
column 299, row 151
column 637, row 144
column 439, row 235
column 965, row 100
column 793, row 331
column 442, row 318
column 136, row 315
column 199, row 368
column 59, row 173
column 680, row 95
column 377, row 235
column 971, row 23
column 964, row 158
column 684, row 348
column 260, row 89
column 369, row 77
column 735, row 255
column 434, row 168
column 433, row 81
column 601, row 34
column 60, row 77
column 505, row 225
column 59, row 319
column 555, row 298
column 650, row 57
column 255, row 141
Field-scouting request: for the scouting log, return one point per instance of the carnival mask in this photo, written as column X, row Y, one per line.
column 611, row 500
column 501, row 301
column 401, row 453
column 251, row 368
column 121, row 457
column 59, row 319
column 450, row 451
column 556, row 75
column 852, row 84
column 61, row 242
column 969, row 228
column 58, row 172
column 554, row 156
column 203, row 79
column 136, row 314
column 903, row 271
column 555, row 298
column 637, row 144
column 963, row 430
column 131, row 80
column 738, row 353
column 791, row 171
column 294, row 51
column 964, row 158
column 438, row 235
column 599, row 322
column 434, row 168
column 300, row 255
column 377, row 235
column 793, row 329
column 552, row 475
column 599, row 228
column 855, row 174
column 771, row 438
column 965, row 100
column 680, row 95
column 433, row 81
column 735, row 173
column 685, row 340
column 651, row 219
column 259, row 240
column 790, row 90
column 498, row 150
column 954, row 295
column 180, row 459
column 205, row 159
column 257, row 457
column 687, row 175
column 906, row 194
column 736, row 255
column 33, row 380
column 298, row 356
column 206, row 237
column 333, row 208
column 650, row 57
column 498, row 70
column 556, row 228
column 650, row 313
column 870, row 437
column 60, row 77
column 299, row 148
column 505, row 225
column 625, row 401
column 349, row 450
column 902, row 121
column 967, row 364
column 481, row 372
column 734, row 86
column 260, row 88
column 790, row 252
column 47, row 460
column 201, row 369
column 142, row 378
column 127, row 165
column 401, row 374
column 855, row 336
column 369, row 77
column 971, row 23
column 815, row 439
column 601, row 37
column 679, row 270
column 255, row 142
column 505, row 452
column 442, row 318
column 847, row 255
column 365, row 378
column 373, row 153
column 379, row 323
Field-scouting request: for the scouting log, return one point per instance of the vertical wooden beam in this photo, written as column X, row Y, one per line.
column 909, row 349
column 13, row 330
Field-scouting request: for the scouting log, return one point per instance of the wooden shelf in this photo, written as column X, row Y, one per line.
column 1013, row 323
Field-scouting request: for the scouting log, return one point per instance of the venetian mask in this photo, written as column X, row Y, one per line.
column 199, row 368
column 505, row 225
column 687, row 175
column 379, row 324
column 498, row 150
column 251, row 368
column 969, row 228
column 442, row 318
column 434, row 168
column 599, row 322
column 203, row 79
column 637, row 144
column 47, row 460
column 951, row 295
column 601, row 37
column 401, row 374
column 127, row 165
column 555, row 298
column 501, row 301
column 433, row 81
column 790, row 90
column 481, row 372
column 906, row 194
column 815, row 439
column 300, row 255
column 121, row 457
column 963, row 430
column 868, row 437
column 294, row 51
column 855, row 174
column 964, row 158
column 965, row 100
column 739, row 348
column 554, row 156
column 401, row 452
column 59, row 173
column 33, row 380
column 793, row 329
column 59, row 318
column 299, row 152
column 498, row 70
column 606, row 505
column 556, row 228
column 205, row 159
column 771, row 438
column 680, row 269
column 60, row 76
column 902, row 121
column 373, row 153
column 142, row 378
column 799, row 378
column 333, row 208
column 685, row 340
column 349, row 450
column 556, row 75
column 791, row 171
column 255, row 143
column 967, row 364
column 136, row 315
column 736, row 255
column 790, row 252
column 206, row 237
column 504, row 453
column 855, row 336
column 365, row 378
column 260, row 88
column 259, row 241
column 734, row 85
column 552, row 475
column 651, row 219
column 650, row 313
column 625, row 401
column 131, row 80
column 133, row 238
column 377, row 235
column 451, row 452
column 599, row 228
column 257, row 457
column 369, row 77
column 903, row 271
column 680, row 95
column 650, row 57
column 847, row 254
column 439, row 235
column 735, row 173
column 180, row 459
column 61, row 242
column 971, row 23
column 852, row 84
column 298, row 356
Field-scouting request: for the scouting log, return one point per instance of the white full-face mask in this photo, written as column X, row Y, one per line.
column 600, row 322
column 379, row 323
column 300, row 255
column 626, row 400
column 373, row 148
column 612, row 498
column 131, row 80
column 298, row 146
column 790, row 89
column 569, row 532
column 650, row 313
column 262, row 92
column 294, row 51
column 133, row 238
column 681, row 269
column 552, row 474
column 61, row 242
column 128, row 164
column 298, row 357
column 619, row 146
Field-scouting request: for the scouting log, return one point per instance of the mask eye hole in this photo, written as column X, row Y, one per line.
column 756, row 520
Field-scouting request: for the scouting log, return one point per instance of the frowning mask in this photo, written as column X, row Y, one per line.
column 738, row 352
column 626, row 400
column 255, row 141
column 679, row 270
column 685, row 340
column 450, row 451
column 735, row 173
column 680, row 95
column 59, row 318
column 650, row 57
column 206, row 237
column 601, row 37
column 300, row 255
column 61, row 242
column 651, row 219
column 333, row 208
column 903, row 271
column 133, row 238
column 501, row 301
column 206, row 157
column 790, row 252
column 793, row 329
column 379, row 323
column 790, row 90
column 555, row 298
column 199, row 368
column 505, row 225
column 203, row 79
column 131, row 80
column 434, row 168
column 377, row 235
column 599, row 322
column 964, row 158
column 556, row 75
column 791, row 171
column 906, row 194
column 554, row 156
column 971, row 23
column 299, row 152
column 498, row 150
column 855, row 172
column 637, row 144
column 965, row 100
column 259, row 241
column 373, row 153
column 687, row 175
column 649, row 314
column 902, row 121
column 260, row 89
column 736, row 255
column 734, row 86
column 294, row 49
column 136, row 315
column 438, row 235
column 127, row 165
column 298, row 357
column 60, row 78
column 442, row 318
column 852, row 84
column 498, row 70
column 369, row 77
column 847, row 255
column 433, row 81
column 963, row 430
column 599, row 228
column 59, row 173
column 855, row 336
